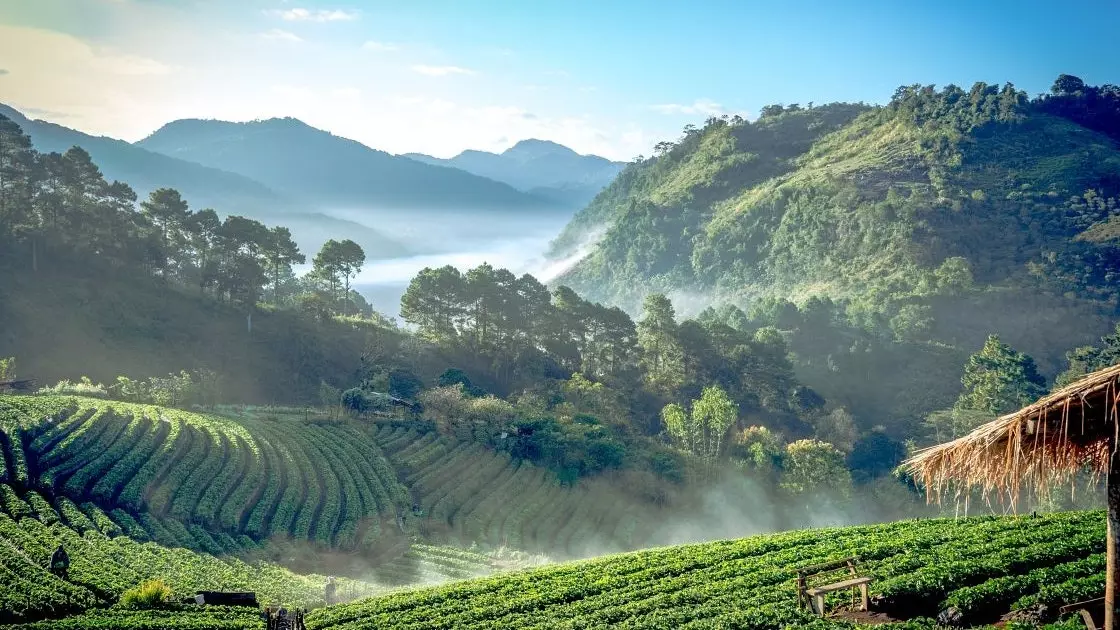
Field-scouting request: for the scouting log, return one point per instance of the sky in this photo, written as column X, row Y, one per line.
column 609, row 77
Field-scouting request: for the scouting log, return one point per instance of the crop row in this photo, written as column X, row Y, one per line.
column 104, row 562
column 745, row 583
column 260, row 475
column 471, row 494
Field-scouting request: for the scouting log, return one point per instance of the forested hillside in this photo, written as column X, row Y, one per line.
column 886, row 243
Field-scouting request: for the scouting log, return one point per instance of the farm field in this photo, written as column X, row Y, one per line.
column 111, row 552
column 470, row 494
column 922, row 568
column 278, row 475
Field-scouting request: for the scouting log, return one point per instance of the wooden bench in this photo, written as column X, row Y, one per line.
column 813, row 596
column 1090, row 610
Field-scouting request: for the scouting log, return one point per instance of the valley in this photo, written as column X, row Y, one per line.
column 264, row 361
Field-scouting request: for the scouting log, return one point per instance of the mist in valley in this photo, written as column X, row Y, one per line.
column 464, row 239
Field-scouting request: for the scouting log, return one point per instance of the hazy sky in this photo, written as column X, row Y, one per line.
column 603, row 76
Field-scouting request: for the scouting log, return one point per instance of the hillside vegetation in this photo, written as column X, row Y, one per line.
column 886, row 243
column 970, row 571
column 113, row 551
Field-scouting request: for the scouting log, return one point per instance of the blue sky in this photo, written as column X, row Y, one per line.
column 609, row 76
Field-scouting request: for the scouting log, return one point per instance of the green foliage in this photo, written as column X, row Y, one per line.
column 702, row 430
column 811, row 466
column 7, row 368
column 84, row 387
column 147, row 595
column 998, row 380
column 747, row 583
column 760, row 448
column 1088, row 359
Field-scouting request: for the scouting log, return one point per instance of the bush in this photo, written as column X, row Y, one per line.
column 404, row 384
column 150, row 594
column 84, row 387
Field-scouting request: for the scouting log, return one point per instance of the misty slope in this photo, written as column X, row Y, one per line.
column 544, row 168
column 318, row 167
column 944, row 215
column 204, row 187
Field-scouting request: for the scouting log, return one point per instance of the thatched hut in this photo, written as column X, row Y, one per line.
column 1041, row 446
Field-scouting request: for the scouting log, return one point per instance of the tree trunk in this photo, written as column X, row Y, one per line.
column 1112, row 581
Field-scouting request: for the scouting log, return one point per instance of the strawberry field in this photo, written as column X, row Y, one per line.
column 921, row 568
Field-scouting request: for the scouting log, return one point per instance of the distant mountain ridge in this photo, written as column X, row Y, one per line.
column 204, row 187
column 307, row 163
column 540, row 167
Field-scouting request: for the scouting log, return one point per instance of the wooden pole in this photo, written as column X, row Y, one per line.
column 1112, row 580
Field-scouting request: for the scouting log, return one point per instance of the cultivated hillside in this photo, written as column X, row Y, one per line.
column 544, row 168
column 226, row 192
column 338, row 484
column 969, row 572
column 325, row 170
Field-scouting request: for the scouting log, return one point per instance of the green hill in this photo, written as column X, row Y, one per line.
column 904, row 234
column 973, row 570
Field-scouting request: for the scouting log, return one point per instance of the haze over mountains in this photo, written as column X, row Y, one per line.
column 540, row 167
column 283, row 171
column 308, row 163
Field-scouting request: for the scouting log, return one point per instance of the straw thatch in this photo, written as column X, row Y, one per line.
column 1039, row 446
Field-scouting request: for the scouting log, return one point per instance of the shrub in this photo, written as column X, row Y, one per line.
column 150, row 594
column 84, row 387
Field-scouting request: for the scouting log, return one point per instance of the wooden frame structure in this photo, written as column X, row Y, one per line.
column 813, row 596
column 1043, row 445
column 1090, row 611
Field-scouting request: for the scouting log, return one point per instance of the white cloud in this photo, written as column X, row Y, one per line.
column 380, row 46
column 280, row 35
column 701, row 106
column 441, row 71
column 315, row 15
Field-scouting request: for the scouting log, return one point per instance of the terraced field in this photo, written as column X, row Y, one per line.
column 256, row 476
column 471, row 494
column 922, row 568
column 112, row 552
column 280, row 476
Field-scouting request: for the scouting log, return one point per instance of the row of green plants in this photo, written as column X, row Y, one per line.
column 259, row 475
column 113, row 553
column 750, row 582
column 467, row 493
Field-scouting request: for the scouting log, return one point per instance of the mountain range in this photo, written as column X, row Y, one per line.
column 318, row 167
column 206, row 187
column 540, row 167
column 283, row 171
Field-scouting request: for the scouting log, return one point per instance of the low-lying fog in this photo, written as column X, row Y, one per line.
column 433, row 238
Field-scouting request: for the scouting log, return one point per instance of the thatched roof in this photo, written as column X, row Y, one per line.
column 1041, row 445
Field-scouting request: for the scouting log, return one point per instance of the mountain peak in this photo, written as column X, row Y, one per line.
column 533, row 147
